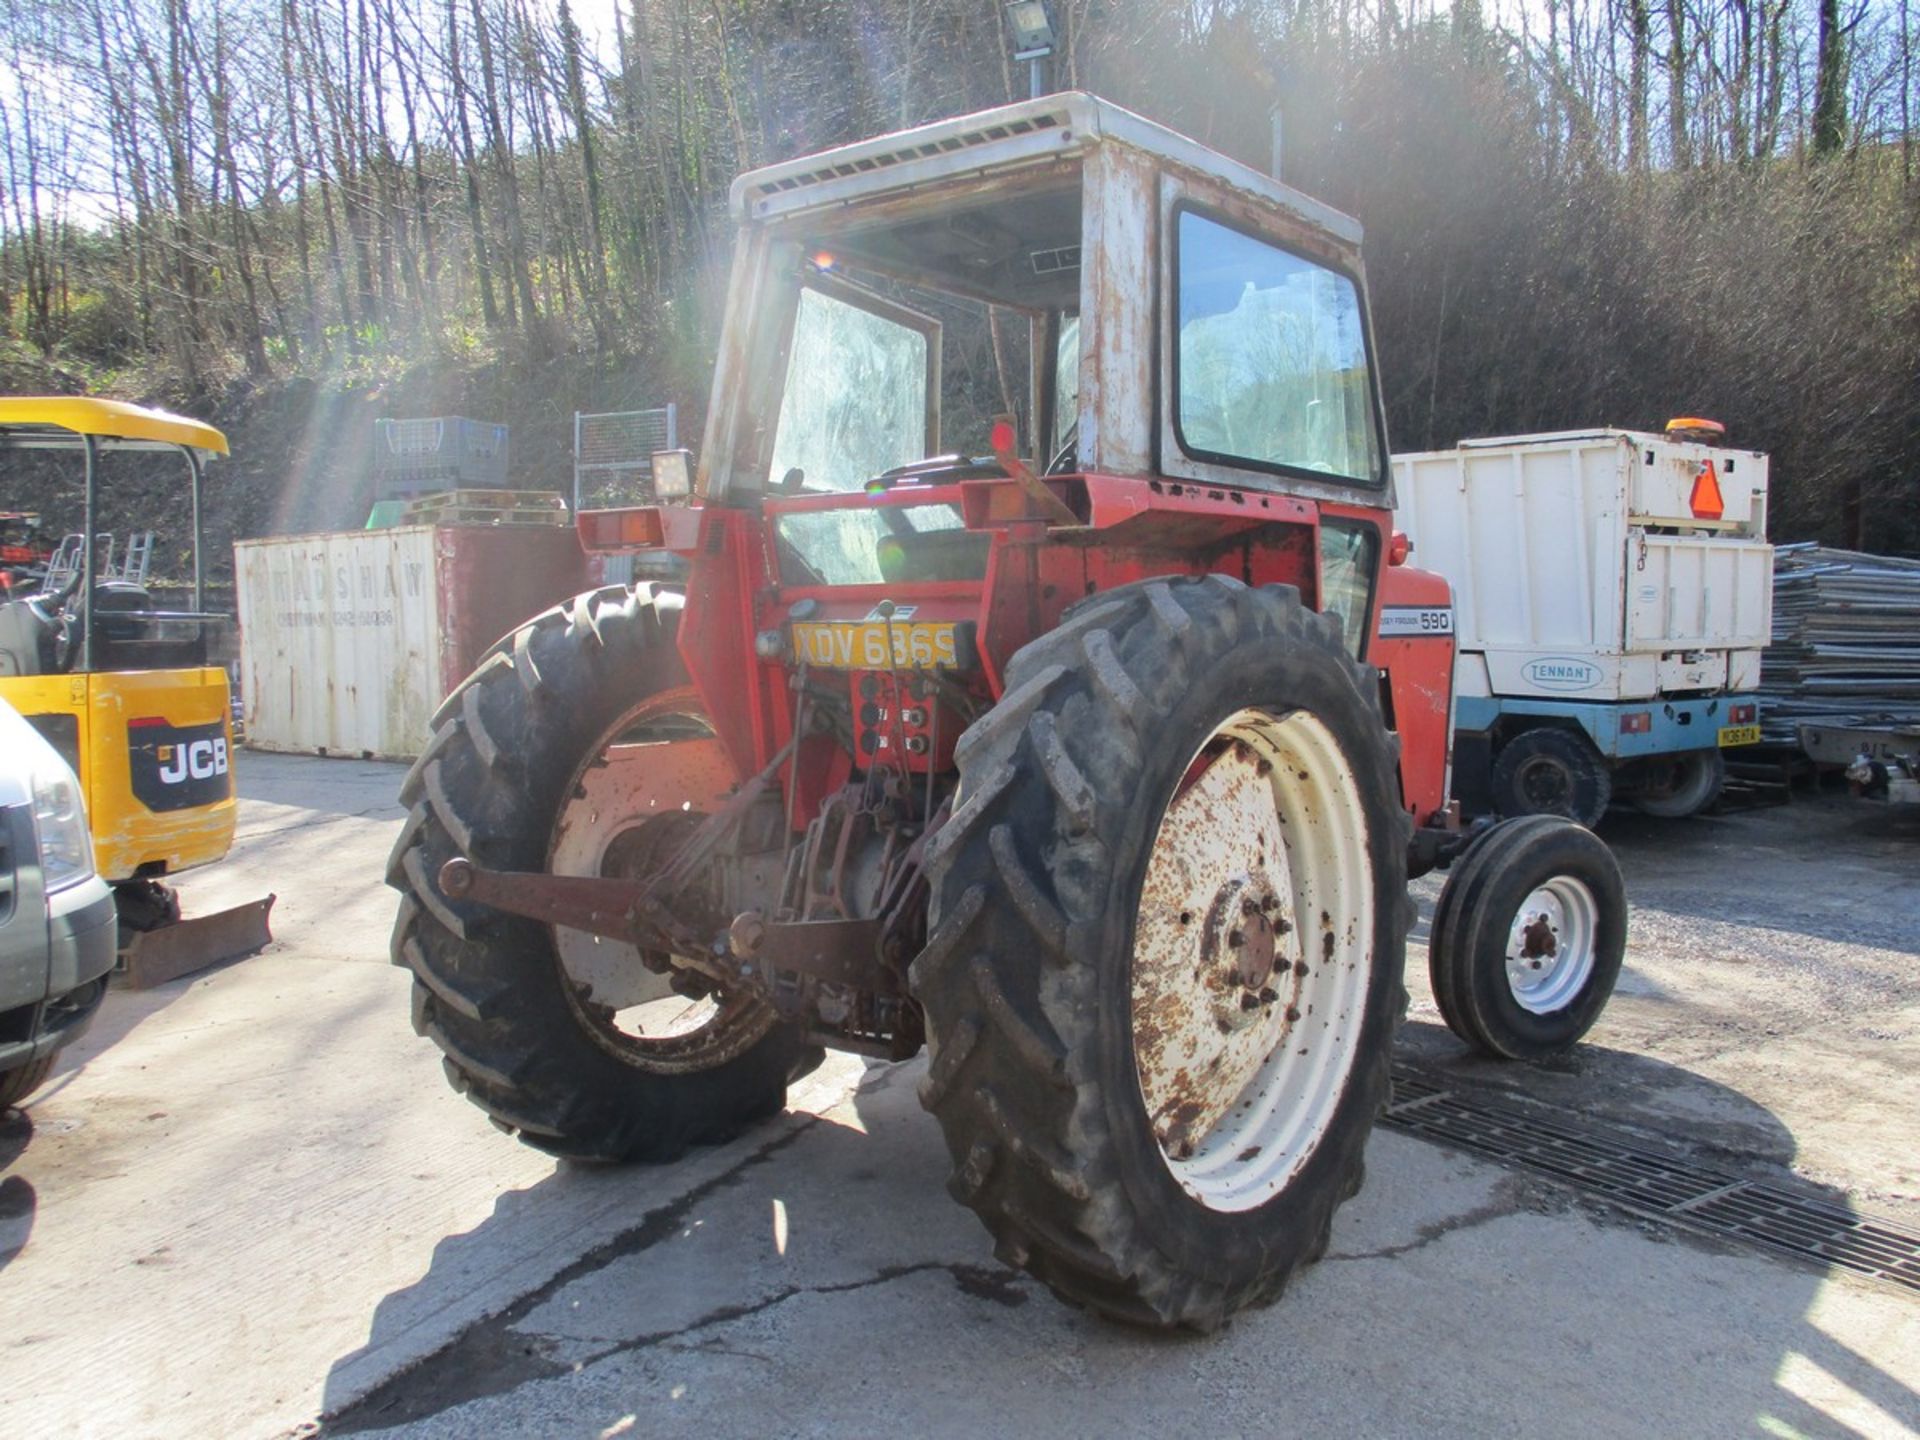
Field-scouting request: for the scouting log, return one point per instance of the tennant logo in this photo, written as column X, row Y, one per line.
column 1557, row 673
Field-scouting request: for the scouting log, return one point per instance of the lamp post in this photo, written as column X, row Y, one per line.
column 1034, row 38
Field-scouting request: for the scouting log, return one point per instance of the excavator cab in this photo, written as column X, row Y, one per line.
column 132, row 694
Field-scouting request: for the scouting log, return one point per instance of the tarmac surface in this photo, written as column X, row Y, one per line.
column 248, row 1205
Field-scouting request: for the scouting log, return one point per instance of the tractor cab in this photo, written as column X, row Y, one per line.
column 891, row 299
column 130, row 692
column 1061, row 281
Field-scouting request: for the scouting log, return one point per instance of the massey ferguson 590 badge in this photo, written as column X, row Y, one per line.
column 178, row 766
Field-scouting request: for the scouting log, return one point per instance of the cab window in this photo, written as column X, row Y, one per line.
column 855, row 402
column 1270, row 372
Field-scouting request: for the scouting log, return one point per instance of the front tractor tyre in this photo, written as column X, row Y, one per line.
column 577, row 747
column 1166, row 931
column 1528, row 937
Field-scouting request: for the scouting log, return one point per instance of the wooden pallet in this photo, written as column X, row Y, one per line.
column 486, row 507
column 476, row 515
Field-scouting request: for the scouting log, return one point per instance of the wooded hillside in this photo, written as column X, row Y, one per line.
column 295, row 216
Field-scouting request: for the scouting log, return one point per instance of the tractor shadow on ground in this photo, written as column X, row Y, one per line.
column 828, row 1247
column 1623, row 1091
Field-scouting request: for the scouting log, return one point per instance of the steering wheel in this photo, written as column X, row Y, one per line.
column 60, row 621
column 942, row 469
column 60, row 617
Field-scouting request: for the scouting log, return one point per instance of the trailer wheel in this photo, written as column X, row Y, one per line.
column 1675, row 787
column 1551, row 771
column 574, row 746
column 1166, row 932
column 1528, row 938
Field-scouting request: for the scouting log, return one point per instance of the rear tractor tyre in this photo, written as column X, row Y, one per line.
column 1550, row 771
column 1528, row 938
column 576, row 747
column 1682, row 785
column 1166, row 932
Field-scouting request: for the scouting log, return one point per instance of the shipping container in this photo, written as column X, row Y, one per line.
column 1613, row 585
column 349, row 641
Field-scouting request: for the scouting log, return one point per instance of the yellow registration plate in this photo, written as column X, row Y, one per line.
column 878, row 645
column 1739, row 735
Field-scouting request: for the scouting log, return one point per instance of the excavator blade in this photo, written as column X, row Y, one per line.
column 193, row 942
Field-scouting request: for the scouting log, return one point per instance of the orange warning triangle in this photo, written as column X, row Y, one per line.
column 1705, row 500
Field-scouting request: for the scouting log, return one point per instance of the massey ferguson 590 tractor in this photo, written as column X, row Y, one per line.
column 1046, row 687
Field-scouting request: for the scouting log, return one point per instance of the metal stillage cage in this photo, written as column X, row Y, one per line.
column 612, row 454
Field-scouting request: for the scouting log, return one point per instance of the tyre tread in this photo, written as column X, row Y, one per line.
column 1011, row 1028
column 1473, row 925
column 487, row 989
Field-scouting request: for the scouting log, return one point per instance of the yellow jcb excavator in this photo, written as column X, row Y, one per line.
column 133, row 696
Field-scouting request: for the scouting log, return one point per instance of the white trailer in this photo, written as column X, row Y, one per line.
column 1613, row 591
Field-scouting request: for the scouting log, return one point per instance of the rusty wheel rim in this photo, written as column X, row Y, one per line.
column 626, row 1000
column 1253, row 948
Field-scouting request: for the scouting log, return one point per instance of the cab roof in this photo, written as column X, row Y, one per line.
column 1010, row 136
column 45, row 422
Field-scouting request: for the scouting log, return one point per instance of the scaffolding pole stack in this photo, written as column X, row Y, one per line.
column 1846, row 642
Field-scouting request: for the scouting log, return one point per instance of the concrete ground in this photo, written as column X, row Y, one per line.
column 248, row 1200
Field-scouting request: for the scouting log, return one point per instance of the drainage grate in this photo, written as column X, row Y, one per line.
column 1773, row 1216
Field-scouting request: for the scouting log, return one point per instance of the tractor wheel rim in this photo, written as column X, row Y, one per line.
column 628, row 1008
column 1253, row 949
column 1550, row 945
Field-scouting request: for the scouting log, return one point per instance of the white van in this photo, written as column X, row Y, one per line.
column 58, row 930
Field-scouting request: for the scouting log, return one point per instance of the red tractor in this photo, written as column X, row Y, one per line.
column 1100, row 772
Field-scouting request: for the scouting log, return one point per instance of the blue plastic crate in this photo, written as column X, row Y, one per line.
column 450, row 452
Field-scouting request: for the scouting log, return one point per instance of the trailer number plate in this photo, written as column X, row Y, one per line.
column 875, row 645
column 1739, row 735
column 1401, row 621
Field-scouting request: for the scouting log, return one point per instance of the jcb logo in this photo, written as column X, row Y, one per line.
column 201, row 760
column 178, row 767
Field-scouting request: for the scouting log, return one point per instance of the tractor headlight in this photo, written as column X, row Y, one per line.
column 60, row 822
